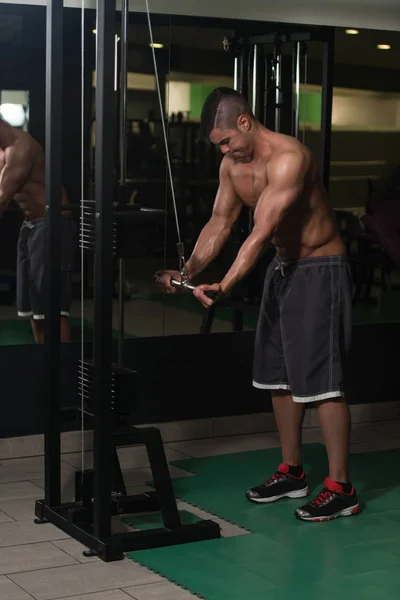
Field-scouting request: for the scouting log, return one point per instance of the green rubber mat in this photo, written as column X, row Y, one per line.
column 18, row 331
column 280, row 557
column 15, row 332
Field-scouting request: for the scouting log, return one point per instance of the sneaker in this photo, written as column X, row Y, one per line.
column 330, row 504
column 281, row 485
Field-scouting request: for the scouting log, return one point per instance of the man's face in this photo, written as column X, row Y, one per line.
column 236, row 143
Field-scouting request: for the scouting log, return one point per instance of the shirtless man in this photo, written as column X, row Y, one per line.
column 304, row 327
column 22, row 178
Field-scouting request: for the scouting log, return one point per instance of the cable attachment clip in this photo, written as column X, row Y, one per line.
column 182, row 265
column 226, row 44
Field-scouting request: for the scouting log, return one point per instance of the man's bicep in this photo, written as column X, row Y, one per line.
column 272, row 207
column 286, row 184
column 227, row 205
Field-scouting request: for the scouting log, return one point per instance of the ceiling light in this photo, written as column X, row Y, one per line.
column 384, row 46
column 156, row 45
column 352, row 31
column 13, row 114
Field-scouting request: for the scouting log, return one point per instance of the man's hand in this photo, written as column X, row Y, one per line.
column 200, row 293
column 163, row 279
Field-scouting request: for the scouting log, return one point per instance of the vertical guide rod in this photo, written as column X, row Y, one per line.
column 297, row 86
column 254, row 109
column 305, row 51
column 265, row 93
column 122, row 162
column 53, row 227
column 121, row 310
column 124, row 89
column 278, row 91
column 243, row 79
column 116, row 62
column 255, row 71
column 326, row 108
column 236, row 73
column 103, row 272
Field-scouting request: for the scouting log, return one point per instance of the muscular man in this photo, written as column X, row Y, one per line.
column 22, row 178
column 304, row 326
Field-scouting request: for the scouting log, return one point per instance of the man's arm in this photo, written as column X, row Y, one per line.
column 15, row 172
column 216, row 232
column 286, row 180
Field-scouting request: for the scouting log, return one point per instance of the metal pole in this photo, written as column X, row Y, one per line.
column 243, row 69
column 53, row 227
column 255, row 71
column 121, row 310
column 266, row 86
column 116, row 62
column 305, row 52
column 242, row 225
column 278, row 92
column 326, row 108
column 103, row 275
column 254, row 109
column 122, row 162
column 124, row 90
column 236, row 73
column 297, row 84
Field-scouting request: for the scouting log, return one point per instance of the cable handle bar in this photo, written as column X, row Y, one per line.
column 189, row 287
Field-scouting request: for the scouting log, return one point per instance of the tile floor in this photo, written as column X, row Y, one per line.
column 41, row 562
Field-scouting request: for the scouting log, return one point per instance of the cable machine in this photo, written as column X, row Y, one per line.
column 106, row 388
column 258, row 67
column 259, row 74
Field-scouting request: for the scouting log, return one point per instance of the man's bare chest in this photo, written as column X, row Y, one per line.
column 249, row 183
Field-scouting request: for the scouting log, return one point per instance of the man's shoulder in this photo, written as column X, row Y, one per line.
column 287, row 156
column 225, row 167
column 283, row 143
column 25, row 145
column 290, row 164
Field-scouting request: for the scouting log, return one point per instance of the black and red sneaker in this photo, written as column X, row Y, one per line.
column 281, row 485
column 330, row 504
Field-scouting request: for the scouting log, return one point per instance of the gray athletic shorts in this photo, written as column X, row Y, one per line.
column 31, row 292
column 304, row 328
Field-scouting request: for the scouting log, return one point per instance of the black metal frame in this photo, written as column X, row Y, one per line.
column 292, row 33
column 103, row 275
column 326, row 112
column 99, row 493
column 54, row 77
